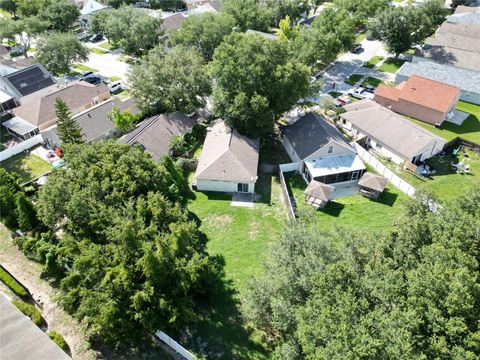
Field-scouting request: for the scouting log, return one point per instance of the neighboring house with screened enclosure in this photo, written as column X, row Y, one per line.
column 320, row 152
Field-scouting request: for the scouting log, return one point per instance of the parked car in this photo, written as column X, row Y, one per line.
column 93, row 79
column 115, row 86
column 360, row 93
column 357, row 48
column 85, row 74
column 83, row 36
column 96, row 38
column 369, row 88
column 342, row 101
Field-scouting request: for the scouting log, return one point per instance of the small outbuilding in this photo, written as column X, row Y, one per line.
column 372, row 185
column 318, row 194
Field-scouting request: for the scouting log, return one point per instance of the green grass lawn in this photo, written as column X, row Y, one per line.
column 391, row 65
column 98, row 51
column 354, row 211
column 470, row 129
column 81, row 67
column 107, row 46
column 27, row 166
column 114, row 78
column 446, row 183
column 372, row 81
column 240, row 237
column 334, row 94
column 353, row 79
column 374, row 60
column 123, row 94
column 360, row 37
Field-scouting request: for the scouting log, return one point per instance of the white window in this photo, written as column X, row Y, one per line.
column 242, row 187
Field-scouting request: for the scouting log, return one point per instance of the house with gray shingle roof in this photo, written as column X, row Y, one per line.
column 467, row 80
column 155, row 133
column 228, row 162
column 389, row 133
column 320, row 152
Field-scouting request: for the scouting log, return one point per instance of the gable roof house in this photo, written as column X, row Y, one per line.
column 421, row 98
column 154, row 134
column 228, row 162
column 467, row 80
column 320, row 152
column 173, row 22
column 19, row 81
column 455, row 43
column 390, row 134
column 87, row 11
column 94, row 122
column 38, row 109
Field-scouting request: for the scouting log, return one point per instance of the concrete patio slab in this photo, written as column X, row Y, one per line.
column 458, row 117
column 243, row 200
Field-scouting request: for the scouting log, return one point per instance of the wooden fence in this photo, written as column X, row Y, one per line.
column 286, row 195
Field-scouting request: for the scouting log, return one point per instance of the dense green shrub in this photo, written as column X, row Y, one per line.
column 29, row 310
column 58, row 339
column 13, row 284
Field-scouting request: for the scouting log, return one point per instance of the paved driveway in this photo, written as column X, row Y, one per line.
column 349, row 63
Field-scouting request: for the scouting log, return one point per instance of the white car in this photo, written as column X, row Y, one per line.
column 115, row 86
column 360, row 93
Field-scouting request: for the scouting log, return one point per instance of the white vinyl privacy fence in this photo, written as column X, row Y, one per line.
column 24, row 145
column 175, row 345
column 396, row 181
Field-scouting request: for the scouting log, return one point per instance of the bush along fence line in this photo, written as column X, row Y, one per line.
column 396, row 181
column 14, row 285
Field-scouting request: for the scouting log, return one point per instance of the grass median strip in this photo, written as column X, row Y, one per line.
column 353, row 79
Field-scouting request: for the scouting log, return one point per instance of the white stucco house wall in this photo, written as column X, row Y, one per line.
column 228, row 162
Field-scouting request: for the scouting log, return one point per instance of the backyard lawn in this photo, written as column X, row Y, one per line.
column 27, row 166
column 470, row 129
column 353, row 211
column 374, row 60
column 353, row 79
column 240, row 237
column 391, row 65
column 446, row 183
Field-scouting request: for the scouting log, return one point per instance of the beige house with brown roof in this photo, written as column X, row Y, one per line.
column 38, row 108
column 421, row 98
column 228, row 162
column 390, row 134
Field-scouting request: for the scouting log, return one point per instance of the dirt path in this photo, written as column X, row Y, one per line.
column 28, row 272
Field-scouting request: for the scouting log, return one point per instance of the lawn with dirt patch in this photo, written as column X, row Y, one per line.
column 355, row 211
column 391, row 65
column 470, row 129
column 374, row 60
column 353, row 79
column 240, row 236
column 27, row 166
